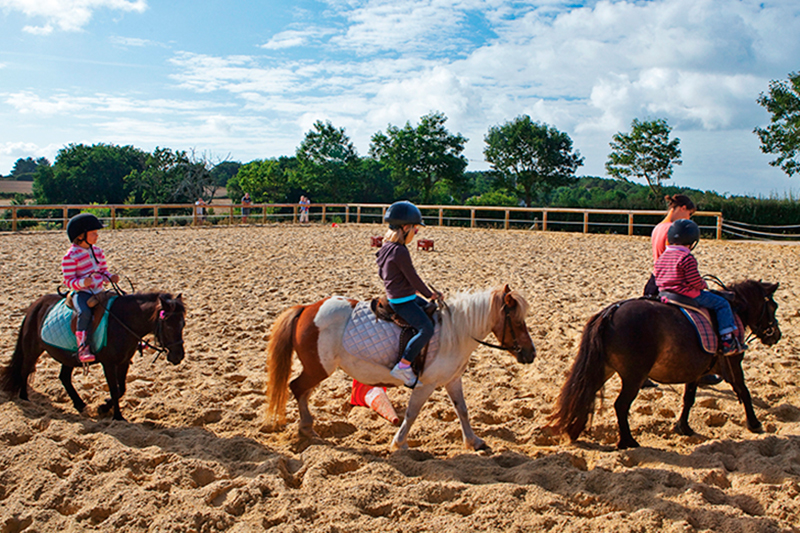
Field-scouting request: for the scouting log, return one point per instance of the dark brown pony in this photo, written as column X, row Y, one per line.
column 131, row 317
column 641, row 338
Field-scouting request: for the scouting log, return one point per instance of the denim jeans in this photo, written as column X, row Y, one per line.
column 79, row 301
column 722, row 309
column 412, row 313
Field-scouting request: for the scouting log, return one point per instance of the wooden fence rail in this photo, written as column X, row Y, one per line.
column 344, row 212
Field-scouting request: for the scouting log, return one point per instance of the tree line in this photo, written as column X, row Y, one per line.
column 531, row 163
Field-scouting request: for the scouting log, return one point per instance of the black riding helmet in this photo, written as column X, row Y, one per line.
column 402, row 213
column 683, row 232
column 80, row 224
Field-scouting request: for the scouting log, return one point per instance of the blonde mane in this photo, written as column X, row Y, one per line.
column 471, row 314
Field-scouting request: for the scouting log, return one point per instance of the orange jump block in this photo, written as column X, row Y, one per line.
column 376, row 242
column 425, row 244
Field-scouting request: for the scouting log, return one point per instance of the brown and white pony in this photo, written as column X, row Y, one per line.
column 315, row 332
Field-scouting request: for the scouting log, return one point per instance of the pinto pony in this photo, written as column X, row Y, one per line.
column 131, row 317
column 315, row 332
column 644, row 337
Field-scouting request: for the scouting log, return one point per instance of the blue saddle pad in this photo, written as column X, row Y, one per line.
column 56, row 330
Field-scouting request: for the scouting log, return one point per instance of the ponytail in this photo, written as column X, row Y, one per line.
column 679, row 200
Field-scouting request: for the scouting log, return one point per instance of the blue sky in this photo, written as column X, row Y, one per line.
column 246, row 80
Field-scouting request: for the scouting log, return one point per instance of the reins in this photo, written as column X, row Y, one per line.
column 506, row 322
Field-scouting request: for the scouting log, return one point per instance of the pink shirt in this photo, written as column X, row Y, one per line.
column 659, row 239
column 79, row 264
column 676, row 271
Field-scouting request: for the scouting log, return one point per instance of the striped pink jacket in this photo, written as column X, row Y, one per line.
column 676, row 271
column 79, row 264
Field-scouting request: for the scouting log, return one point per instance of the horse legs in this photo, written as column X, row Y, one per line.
column 121, row 375
column 456, row 392
column 733, row 364
column 418, row 398
column 66, row 379
column 622, row 407
column 110, row 371
column 682, row 425
column 302, row 387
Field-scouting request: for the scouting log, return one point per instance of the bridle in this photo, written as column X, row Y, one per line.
column 507, row 324
column 158, row 333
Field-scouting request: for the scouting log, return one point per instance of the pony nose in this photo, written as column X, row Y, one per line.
column 526, row 355
column 175, row 355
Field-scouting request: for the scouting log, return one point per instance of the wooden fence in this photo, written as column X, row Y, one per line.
column 185, row 214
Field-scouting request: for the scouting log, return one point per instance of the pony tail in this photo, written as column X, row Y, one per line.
column 11, row 380
column 279, row 364
column 576, row 400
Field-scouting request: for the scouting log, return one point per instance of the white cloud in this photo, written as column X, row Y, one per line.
column 297, row 38
column 67, row 15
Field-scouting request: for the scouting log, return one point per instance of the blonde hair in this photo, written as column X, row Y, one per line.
column 398, row 235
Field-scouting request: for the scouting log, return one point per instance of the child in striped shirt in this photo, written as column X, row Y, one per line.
column 85, row 270
column 676, row 271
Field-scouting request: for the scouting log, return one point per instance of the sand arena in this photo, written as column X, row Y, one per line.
column 194, row 454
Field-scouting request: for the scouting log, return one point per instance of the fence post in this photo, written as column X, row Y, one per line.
column 155, row 215
column 544, row 220
column 358, row 215
column 14, row 218
column 113, row 217
column 719, row 226
column 471, row 218
column 586, row 222
column 507, row 215
column 441, row 215
column 347, row 214
column 66, row 214
column 323, row 213
column 630, row 223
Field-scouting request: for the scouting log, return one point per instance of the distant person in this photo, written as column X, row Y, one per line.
column 246, row 203
column 676, row 271
column 200, row 210
column 85, row 270
column 305, row 203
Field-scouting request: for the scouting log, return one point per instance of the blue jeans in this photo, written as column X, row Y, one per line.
column 412, row 313
column 79, row 301
column 721, row 307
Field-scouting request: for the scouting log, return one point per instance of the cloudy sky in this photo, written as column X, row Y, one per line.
column 244, row 80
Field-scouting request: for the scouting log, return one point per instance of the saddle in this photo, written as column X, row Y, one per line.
column 97, row 303
column 701, row 318
column 383, row 311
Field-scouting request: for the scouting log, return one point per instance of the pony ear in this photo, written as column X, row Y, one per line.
column 506, row 290
column 770, row 287
column 509, row 300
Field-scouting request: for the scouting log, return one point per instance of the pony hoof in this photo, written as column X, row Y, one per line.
column 755, row 429
column 308, row 433
column 396, row 446
column 684, row 430
column 627, row 444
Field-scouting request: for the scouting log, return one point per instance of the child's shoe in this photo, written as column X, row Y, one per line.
column 85, row 355
column 406, row 375
column 732, row 346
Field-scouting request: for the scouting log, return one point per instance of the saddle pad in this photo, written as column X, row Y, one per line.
column 701, row 320
column 366, row 337
column 57, row 331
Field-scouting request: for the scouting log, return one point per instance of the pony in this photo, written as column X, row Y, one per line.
column 131, row 317
column 644, row 337
column 315, row 333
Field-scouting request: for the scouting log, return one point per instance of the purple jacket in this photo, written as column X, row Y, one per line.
column 397, row 272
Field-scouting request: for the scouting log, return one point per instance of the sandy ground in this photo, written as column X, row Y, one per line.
column 195, row 455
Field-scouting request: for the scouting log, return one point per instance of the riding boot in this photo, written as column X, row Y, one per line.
column 85, row 355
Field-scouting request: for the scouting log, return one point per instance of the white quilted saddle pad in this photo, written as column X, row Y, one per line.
column 370, row 339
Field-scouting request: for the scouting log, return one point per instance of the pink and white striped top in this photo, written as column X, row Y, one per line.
column 79, row 264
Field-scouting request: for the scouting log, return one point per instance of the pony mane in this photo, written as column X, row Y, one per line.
column 473, row 313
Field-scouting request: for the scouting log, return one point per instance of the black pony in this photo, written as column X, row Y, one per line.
column 641, row 338
column 131, row 318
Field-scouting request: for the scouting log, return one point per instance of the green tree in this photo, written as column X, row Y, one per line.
column 171, row 177
column 782, row 136
column 327, row 164
column 264, row 179
column 87, row 174
column 25, row 169
column 421, row 157
column 647, row 152
column 530, row 158
column 224, row 171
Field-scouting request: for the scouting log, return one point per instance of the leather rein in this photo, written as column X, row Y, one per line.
column 506, row 325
